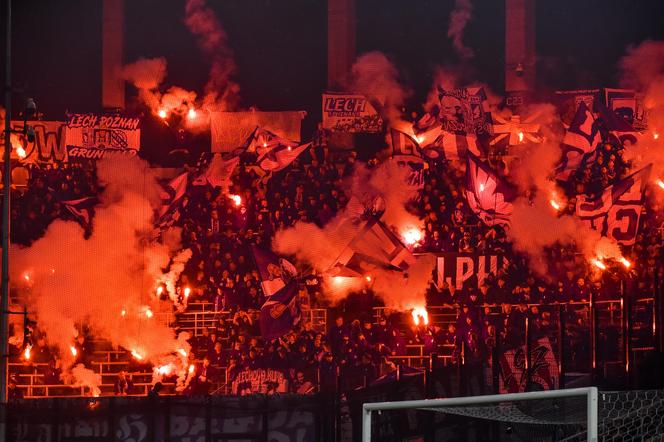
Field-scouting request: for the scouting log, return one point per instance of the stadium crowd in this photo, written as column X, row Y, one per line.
column 220, row 232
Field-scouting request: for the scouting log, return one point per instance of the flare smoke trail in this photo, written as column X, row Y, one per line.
column 533, row 175
column 107, row 281
column 221, row 93
column 375, row 76
column 320, row 247
column 642, row 68
column 462, row 13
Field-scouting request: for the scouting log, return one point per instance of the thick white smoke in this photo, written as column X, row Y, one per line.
column 107, row 281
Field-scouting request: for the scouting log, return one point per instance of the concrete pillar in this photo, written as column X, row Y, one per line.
column 519, row 46
column 341, row 30
column 113, row 87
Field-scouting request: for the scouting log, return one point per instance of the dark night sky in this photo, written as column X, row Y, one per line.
column 280, row 45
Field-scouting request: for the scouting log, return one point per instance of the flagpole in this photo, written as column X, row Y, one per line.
column 6, row 179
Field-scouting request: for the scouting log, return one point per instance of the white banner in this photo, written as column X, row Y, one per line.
column 350, row 113
column 95, row 136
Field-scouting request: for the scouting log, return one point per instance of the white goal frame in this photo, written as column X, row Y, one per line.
column 590, row 393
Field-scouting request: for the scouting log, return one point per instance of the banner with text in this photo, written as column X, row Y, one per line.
column 48, row 145
column 350, row 113
column 462, row 269
column 93, row 136
column 261, row 381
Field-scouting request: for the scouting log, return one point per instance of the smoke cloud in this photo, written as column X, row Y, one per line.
column 106, row 282
column 321, row 247
column 462, row 13
column 375, row 76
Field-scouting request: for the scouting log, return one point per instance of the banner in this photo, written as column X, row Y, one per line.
column 230, row 130
column 261, row 381
column 350, row 113
column 615, row 213
column 543, row 374
column 93, row 136
column 457, row 268
column 628, row 105
column 48, row 146
column 464, row 110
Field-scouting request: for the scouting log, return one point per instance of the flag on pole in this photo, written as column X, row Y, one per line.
column 281, row 157
column 171, row 199
column 489, row 197
column 82, row 209
column 215, row 171
column 280, row 312
column 275, row 272
column 616, row 212
column 261, row 141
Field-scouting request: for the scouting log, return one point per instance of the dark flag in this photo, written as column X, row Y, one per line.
column 171, row 199
column 615, row 213
column 82, row 209
column 281, row 157
column 580, row 141
column 275, row 272
column 281, row 312
column 489, row 197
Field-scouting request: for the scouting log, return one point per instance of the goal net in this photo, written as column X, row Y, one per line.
column 555, row 415
column 558, row 415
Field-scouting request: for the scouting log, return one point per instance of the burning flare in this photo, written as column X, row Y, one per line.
column 625, row 262
column 73, row 350
column 192, row 367
column 187, row 292
column 420, row 312
column 148, row 313
column 191, row 114
column 160, row 290
column 136, row 355
column 27, row 352
column 598, row 263
column 411, row 236
column 162, row 114
column 20, row 151
column 660, row 183
column 655, row 136
column 183, row 352
column 555, row 204
column 237, row 200
column 520, row 134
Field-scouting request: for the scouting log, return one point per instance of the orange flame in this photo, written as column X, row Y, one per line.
column 160, row 290
column 73, row 350
column 20, row 151
column 162, row 114
column 183, row 352
column 420, row 312
column 148, row 313
column 192, row 367
column 136, row 355
column 368, row 278
column 625, row 262
column 411, row 236
column 655, row 136
column 123, row 313
column 598, row 263
column 237, row 200
column 165, row 369
column 27, row 351
column 660, row 183
column 191, row 114
column 520, row 134
column 187, row 292
column 554, row 204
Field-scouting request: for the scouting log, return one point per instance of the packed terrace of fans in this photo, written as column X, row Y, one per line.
column 361, row 337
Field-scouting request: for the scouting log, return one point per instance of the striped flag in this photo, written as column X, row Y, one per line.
column 373, row 246
column 616, row 212
column 489, row 197
column 579, row 142
column 262, row 141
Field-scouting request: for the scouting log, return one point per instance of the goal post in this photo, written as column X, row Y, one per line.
column 590, row 394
